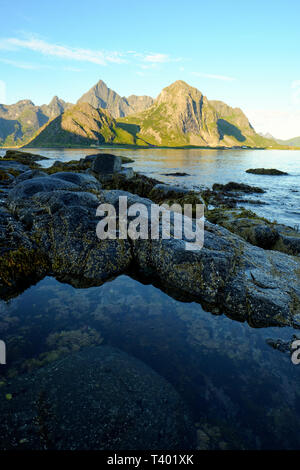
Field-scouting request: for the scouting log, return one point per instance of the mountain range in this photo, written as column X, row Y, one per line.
column 180, row 116
column 19, row 122
column 100, row 96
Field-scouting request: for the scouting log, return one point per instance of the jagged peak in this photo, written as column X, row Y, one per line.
column 56, row 99
column 25, row 102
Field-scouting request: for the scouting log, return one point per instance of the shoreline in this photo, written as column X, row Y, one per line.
column 148, row 147
column 43, row 205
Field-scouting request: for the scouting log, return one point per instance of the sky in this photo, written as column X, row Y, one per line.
column 245, row 53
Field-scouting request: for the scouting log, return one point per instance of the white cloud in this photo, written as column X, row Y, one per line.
column 99, row 57
column 72, row 53
column 157, row 58
column 2, row 92
column 214, row 77
column 281, row 124
column 22, row 65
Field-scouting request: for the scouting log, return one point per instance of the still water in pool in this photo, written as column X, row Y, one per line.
column 242, row 393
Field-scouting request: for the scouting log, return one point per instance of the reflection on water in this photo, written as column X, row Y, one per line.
column 242, row 393
column 207, row 167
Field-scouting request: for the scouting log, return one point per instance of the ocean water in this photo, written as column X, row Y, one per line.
column 281, row 201
column 242, row 393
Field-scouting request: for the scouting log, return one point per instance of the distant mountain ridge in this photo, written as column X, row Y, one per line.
column 180, row 116
column 19, row 121
column 295, row 142
column 100, row 96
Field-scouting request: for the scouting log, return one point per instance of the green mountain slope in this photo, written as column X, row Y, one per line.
column 81, row 125
column 20, row 121
column 182, row 115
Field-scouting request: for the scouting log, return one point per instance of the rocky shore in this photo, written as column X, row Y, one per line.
column 249, row 268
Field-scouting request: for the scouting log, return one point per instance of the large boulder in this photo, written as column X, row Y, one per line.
column 28, row 188
column 21, row 261
column 83, row 180
column 29, row 174
column 65, row 226
column 97, row 399
column 106, row 164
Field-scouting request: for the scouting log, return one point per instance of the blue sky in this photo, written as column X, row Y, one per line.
column 243, row 53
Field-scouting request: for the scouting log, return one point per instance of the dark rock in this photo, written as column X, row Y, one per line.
column 83, row 180
column 265, row 171
column 21, row 261
column 29, row 174
column 30, row 187
column 241, row 187
column 177, row 173
column 257, row 230
column 91, row 158
column 289, row 240
column 265, row 236
column 98, row 398
column 24, row 157
column 228, row 274
column 106, row 164
column 127, row 172
column 8, row 165
column 169, row 189
column 282, row 346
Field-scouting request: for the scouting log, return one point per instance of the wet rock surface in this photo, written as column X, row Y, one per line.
column 57, row 220
column 106, row 164
column 177, row 173
column 98, row 398
column 257, row 230
column 24, row 157
column 266, row 171
column 240, row 187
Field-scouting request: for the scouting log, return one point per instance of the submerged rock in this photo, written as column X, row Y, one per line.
column 266, row 171
column 98, row 398
column 177, row 173
column 283, row 346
